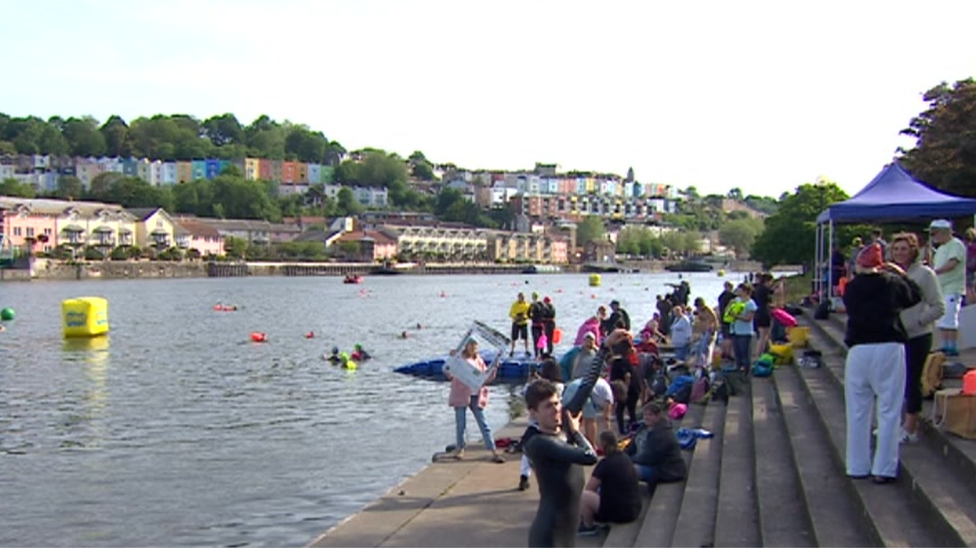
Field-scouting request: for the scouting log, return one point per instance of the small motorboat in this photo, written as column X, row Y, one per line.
column 352, row 279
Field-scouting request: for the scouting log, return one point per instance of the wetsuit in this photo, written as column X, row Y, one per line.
column 558, row 467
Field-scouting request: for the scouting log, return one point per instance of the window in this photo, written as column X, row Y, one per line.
column 17, row 231
column 47, row 231
column 30, row 232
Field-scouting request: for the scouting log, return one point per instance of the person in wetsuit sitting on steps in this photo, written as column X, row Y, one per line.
column 558, row 466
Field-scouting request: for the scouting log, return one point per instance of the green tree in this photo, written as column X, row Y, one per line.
column 101, row 184
column 69, row 187
column 235, row 247
column 12, row 187
column 789, row 235
column 945, row 148
column 305, row 145
column 334, row 153
column 422, row 171
column 243, row 199
column 25, row 134
column 132, row 192
column 629, row 240
column 116, row 134
column 347, row 203
column 590, row 229
column 83, row 137
column 51, row 141
column 379, row 169
column 223, row 130
column 265, row 138
column 740, row 234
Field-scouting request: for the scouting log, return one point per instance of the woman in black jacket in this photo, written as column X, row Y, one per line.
column 874, row 374
column 655, row 450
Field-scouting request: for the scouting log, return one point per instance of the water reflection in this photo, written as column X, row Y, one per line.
column 85, row 427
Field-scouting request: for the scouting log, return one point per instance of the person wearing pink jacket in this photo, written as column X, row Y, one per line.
column 591, row 324
column 463, row 398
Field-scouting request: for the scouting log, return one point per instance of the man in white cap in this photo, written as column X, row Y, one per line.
column 949, row 263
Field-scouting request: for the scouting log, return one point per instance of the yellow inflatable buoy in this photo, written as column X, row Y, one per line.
column 84, row 316
column 721, row 272
column 595, row 280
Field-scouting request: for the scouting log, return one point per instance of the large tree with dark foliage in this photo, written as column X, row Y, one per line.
column 945, row 139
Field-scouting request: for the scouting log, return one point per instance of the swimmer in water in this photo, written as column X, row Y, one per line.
column 558, row 466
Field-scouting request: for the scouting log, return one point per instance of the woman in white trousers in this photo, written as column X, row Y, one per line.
column 874, row 374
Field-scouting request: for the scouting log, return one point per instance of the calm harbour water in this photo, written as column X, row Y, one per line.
column 181, row 432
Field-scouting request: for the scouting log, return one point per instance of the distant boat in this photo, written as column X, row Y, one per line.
column 542, row 269
column 600, row 268
column 690, row 266
column 386, row 271
column 352, row 279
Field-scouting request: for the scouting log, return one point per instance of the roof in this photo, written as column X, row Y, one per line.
column 59, row 207
column 237, row 224
column 357, row 236
column 198, row 228
column 894, row 195
column 285, row 228
column 143, row 214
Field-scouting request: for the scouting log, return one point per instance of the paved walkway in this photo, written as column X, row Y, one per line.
column 468, row 503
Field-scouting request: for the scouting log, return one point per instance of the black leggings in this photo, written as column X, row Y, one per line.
column 630, row 405
column 916, row 352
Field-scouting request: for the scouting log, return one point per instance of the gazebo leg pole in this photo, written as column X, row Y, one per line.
column 817, row 286
column 830, row 241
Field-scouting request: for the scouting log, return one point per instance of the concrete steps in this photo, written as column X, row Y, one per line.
column 657, row 528
column 774, row 474
column 737, row 520
column 783, row 520
column 937, row 487
column 695, row 525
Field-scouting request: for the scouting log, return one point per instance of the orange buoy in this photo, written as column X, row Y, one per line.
column 557, row 336
column 218, row 307
column 259, row 337
column 310, row 335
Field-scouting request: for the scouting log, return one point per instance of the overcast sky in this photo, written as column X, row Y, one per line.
column 763, row 96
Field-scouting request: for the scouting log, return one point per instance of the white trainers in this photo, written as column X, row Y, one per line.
column 907, row 438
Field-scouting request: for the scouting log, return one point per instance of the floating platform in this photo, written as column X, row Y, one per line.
column 512, row 369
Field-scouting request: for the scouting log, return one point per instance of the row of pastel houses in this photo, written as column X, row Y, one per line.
column 490, row 187
column 42, row 225
column 44, row 170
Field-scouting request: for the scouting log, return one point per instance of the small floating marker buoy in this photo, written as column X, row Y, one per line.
column 259, row 337
column 7, row 314
column 218, row 307
column 443, row 294
column 592, row 296
column 310, row 335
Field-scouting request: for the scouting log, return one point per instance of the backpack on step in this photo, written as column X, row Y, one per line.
column 932, row 374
